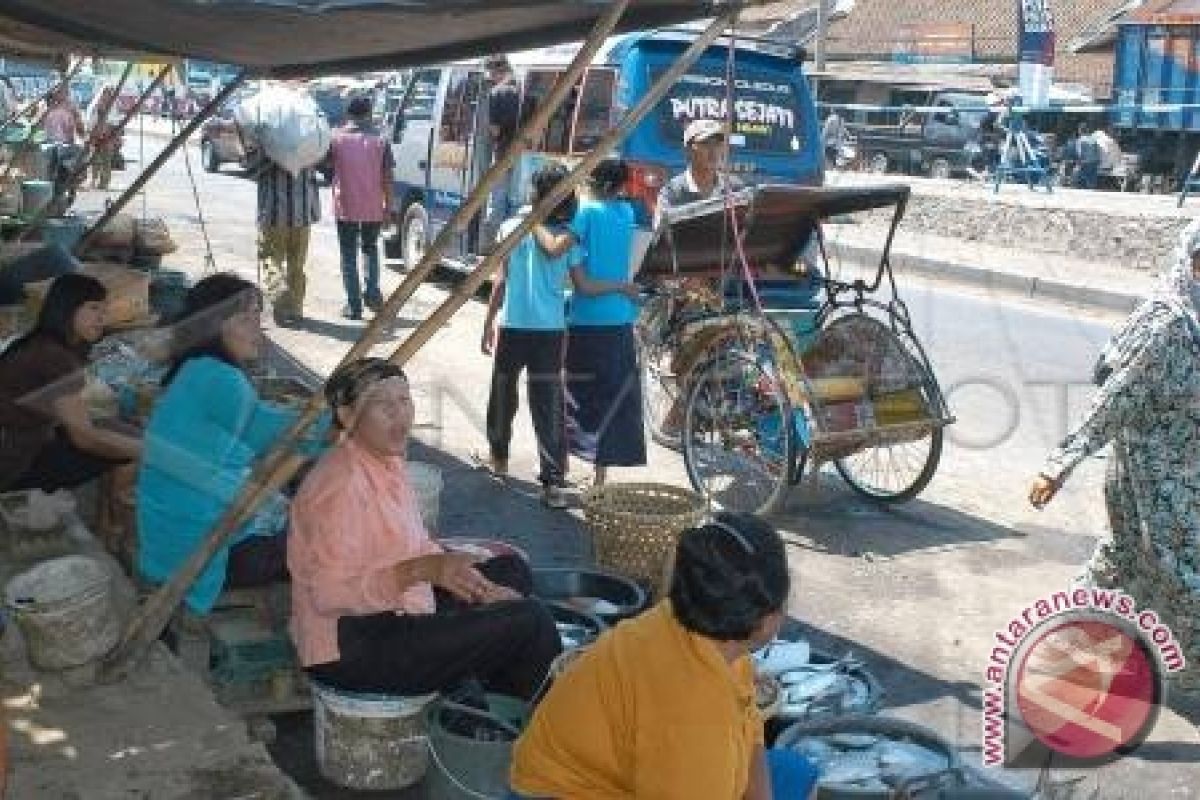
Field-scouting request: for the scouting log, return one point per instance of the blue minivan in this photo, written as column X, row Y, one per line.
column 440, row 143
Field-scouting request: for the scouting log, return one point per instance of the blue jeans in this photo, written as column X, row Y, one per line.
column 352, row 236
column 793, row 777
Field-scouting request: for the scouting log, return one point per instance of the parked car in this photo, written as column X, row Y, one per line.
column 934, row 144
column 221, row 141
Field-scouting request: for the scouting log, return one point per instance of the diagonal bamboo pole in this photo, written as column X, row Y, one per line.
column 20, row 149
column 279, row 466
column 463, row 292
column 180, row 140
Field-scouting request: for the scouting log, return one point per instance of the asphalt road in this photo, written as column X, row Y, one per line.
column 917, row 590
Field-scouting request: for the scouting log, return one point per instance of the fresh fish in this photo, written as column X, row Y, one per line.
column 907, row 760
column 782, row 656
column 854, row 741
column 814, row 686
column 857, row 698
column 594, row 605
column 817, row 751
column 850, row 768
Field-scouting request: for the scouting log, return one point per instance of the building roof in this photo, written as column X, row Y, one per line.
column 1168, row 12
column 877, row 30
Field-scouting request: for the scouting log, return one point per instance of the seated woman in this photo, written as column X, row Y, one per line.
column 202, row 439
column 378, row 606
column 663, row 706
column 48, row 439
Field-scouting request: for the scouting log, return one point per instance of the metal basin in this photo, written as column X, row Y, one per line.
column 610, row 597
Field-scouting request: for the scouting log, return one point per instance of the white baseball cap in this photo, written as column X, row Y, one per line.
column 701, row 129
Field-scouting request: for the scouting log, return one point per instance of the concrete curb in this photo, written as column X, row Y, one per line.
column 994, row 280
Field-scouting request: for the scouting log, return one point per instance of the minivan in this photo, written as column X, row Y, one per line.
column 441, row 146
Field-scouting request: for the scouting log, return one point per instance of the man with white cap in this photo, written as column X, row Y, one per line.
column 704, row 142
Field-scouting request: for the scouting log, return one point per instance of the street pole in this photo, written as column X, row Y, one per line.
column 822, row 34
column 278, row 466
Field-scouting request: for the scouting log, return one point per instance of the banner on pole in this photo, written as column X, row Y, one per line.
column 1035, row 49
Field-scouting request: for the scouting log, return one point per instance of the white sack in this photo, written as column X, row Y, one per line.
column 287, row 125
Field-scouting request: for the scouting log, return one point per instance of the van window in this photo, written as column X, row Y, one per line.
column 767, row 111
column 462, row 100
column 423, row 95
column 594, row 114
column 557, row 136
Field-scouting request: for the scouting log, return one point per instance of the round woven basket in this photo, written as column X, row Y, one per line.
column 635, row 526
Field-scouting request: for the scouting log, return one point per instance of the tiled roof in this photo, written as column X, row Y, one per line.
column 870, row 31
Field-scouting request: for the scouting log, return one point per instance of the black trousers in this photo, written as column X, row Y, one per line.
column 506, row 646
column 540, row 354
column 62, row 465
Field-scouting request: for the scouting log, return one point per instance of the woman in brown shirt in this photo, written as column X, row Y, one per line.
column 48, row 440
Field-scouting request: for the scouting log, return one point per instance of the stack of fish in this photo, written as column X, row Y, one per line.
column 813, row 688
column 869, row 762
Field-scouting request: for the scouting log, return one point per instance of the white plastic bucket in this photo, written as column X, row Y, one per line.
column 64, row 609
column 426, row 481
column 370, row 741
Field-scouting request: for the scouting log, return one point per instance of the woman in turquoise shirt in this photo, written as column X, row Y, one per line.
column 604, row 393
column 202, row 439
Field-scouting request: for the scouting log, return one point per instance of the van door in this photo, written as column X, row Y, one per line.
column 455, row 151
column 412, row 131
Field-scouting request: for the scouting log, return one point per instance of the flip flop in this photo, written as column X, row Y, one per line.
column 486, row 464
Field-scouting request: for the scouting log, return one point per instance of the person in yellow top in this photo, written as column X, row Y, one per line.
column 663, row 706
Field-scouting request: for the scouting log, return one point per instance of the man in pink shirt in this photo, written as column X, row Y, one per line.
column 362, row 200
column 63, row 123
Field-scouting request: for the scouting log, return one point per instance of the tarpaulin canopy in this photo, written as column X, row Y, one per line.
column 308, row 37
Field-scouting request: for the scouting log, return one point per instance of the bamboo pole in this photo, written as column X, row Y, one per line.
column 27, row 143
column 152, row 169
column 463, row 292
column 278, row 466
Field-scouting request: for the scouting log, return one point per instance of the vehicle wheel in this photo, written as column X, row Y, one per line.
column 878, row 164
column 660, row 388
column 898, row 471
column 208, row 157
column 414, row 235
column 740, row 440
column 940, row 169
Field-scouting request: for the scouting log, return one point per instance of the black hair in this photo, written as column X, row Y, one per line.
column 350, row 381
column 730, row 574
column 210, row 302
column 497, row 62
column 359, row 107
column 609, row 176
column 66, row 296
column 544, row 180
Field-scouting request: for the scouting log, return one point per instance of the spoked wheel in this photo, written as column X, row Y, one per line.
column 660, row 389
column 893, row 473
column 897, row 468
column 740, row 441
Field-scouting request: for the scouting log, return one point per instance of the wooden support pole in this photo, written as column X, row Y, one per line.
column 152, row 169
column 463, row 292
column 279, row 466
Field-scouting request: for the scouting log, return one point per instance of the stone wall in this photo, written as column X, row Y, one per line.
column 1132, row 240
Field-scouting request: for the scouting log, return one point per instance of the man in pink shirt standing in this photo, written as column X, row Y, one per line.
column 63, row 123
column 362, row 200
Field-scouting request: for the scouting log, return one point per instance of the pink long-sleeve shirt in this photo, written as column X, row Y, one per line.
column 355, row 518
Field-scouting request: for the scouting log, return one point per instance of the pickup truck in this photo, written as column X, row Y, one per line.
column 925, row 143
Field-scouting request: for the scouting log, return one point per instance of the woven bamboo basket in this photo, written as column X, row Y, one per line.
column 635, row 526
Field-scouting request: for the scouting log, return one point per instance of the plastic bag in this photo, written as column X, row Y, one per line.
column 287, row 125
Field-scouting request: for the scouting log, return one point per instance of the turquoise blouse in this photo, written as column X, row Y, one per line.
column 202, row 439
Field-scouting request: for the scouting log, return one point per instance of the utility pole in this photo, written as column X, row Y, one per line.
column 822, row 33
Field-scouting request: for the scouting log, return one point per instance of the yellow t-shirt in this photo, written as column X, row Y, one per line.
column 651, row 712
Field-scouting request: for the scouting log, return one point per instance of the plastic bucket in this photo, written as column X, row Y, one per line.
column 370, row 741
column 63, row 231
column 426, row 481
column 467, row 766
column 35, row 196
column 64, row 609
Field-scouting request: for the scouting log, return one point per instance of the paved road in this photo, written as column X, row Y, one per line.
column 918, row 589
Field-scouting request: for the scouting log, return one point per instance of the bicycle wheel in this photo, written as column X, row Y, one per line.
column 740, row 440
column 660, row 389
column 890, row 471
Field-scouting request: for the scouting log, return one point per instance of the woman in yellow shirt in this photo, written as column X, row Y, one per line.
column 663, row 706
